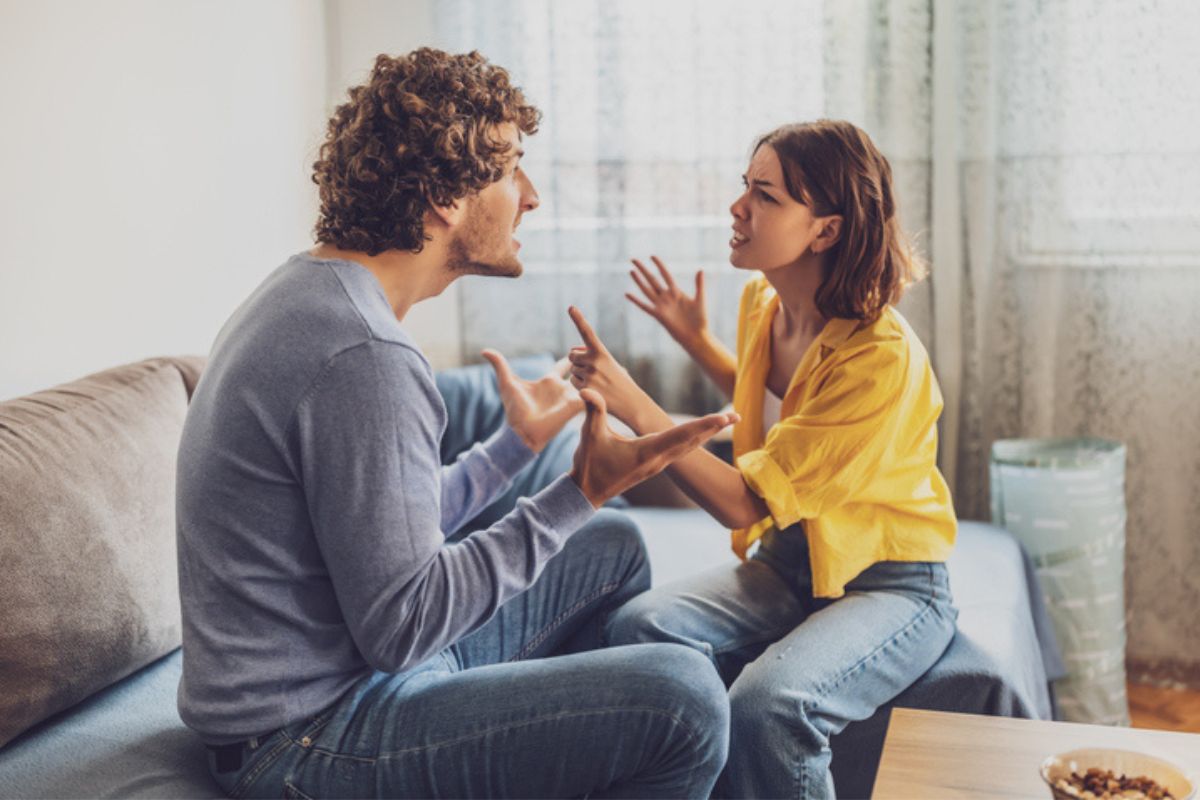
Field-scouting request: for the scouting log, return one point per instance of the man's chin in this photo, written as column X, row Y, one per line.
column 505, row 269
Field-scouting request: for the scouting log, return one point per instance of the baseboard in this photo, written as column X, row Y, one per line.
column 1172, row 673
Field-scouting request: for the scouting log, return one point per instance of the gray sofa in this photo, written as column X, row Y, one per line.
column 89, row 615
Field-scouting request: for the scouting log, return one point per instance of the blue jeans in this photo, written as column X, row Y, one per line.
column 495, row 716
column 799, row 669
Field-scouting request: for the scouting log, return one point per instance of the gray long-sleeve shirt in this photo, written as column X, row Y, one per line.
column 311, row 506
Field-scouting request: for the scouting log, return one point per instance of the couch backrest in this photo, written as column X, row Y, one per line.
column 88, row 578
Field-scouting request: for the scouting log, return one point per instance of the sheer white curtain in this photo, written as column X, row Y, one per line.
column 1046, row 160
column 651, row 109
column 1079, row 189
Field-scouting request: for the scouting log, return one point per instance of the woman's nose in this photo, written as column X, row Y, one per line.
column 738, row 209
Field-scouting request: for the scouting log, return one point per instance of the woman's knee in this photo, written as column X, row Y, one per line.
column 650, row 617
column 764, row 707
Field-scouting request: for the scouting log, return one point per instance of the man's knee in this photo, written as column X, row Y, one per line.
column 613, row 535
column 687, row 686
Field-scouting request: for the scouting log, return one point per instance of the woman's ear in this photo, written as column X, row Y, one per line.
column 831, row 232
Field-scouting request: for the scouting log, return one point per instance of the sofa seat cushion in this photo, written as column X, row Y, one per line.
column 89, row 592
column 125, row 741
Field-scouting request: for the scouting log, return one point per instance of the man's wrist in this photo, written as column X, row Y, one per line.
column 528, row 440
column 588, row 495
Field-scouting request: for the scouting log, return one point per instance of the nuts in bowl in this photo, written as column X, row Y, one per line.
column 1101, row 774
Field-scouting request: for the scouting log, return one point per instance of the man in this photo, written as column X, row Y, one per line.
column 334, row 643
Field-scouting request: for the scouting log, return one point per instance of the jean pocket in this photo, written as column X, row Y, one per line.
column 291, row 791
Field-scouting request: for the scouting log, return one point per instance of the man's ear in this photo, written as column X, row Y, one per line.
column 450, row 215
column 831, row 232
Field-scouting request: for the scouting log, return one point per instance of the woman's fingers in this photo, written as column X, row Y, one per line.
column 700, row 286
column 650, row 279
column 585, row 330
column 647, row 290
column 665, row 272
column 647, row 308
column 580, row 357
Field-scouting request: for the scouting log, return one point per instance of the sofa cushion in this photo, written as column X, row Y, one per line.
column 89, row 591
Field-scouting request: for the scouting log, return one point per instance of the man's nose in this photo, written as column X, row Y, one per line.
column 529, row 196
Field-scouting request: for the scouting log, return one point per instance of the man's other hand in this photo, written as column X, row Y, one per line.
column 536, row 410
column 607, row 464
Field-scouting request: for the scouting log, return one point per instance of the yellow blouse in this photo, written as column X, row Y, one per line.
column 853, row 456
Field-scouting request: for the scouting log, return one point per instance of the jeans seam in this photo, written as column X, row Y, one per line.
column 837, row 680
column 771, row 636
column 509, row 726
column 269, row 758
column 545, row 632
column 273, row 755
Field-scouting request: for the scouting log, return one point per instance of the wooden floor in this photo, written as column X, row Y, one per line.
column 1164, row 709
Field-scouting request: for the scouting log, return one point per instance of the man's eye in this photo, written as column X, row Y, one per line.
column 766, row 196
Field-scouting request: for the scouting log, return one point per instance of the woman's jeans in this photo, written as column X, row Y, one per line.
column 799, row 669
column 493, row 716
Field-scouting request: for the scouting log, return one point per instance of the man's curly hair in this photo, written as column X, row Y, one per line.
column 420, row 131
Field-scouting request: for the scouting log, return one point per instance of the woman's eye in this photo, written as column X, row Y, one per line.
column 766, row 196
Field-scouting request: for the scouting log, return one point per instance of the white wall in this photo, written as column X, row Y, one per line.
column 358, row 31
column 155, row 160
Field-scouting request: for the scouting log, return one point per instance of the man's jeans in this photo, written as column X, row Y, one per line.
column 799, row 669
column 493, row 716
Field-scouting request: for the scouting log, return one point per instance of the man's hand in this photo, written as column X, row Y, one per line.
column 593, row 367
column 536, row 410
column 607, row 464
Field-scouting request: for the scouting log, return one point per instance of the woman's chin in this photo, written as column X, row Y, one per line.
column 739, row 261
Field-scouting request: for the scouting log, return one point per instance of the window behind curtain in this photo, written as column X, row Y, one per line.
column 650, row 111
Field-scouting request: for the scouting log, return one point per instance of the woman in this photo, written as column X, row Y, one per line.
column 845, row 602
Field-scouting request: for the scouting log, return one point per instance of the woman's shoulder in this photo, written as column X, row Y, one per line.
column 756, row 294
column 889, row 340
column 890, row 328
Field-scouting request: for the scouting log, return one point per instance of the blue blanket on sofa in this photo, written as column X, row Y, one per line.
column 128, row 741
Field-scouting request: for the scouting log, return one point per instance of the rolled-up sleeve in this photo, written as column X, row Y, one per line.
column 829, row 449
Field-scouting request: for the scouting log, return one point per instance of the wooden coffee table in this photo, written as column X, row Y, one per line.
column 932, row 754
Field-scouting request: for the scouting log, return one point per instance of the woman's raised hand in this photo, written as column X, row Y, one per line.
column 593, row 367
column 683, row 316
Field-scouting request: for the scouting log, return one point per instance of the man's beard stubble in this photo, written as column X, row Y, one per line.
column 475, row 240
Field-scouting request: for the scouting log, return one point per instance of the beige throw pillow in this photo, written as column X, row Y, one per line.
column 88, row 582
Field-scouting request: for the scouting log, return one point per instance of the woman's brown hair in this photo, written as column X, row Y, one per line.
column 419, row 131
column 833, row 167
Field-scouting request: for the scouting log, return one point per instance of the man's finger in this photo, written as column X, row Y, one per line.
column 596, row 424
column 585, row 330
column 700, row 285
column 665, row 272
column 504, row 372
column 682, row 439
